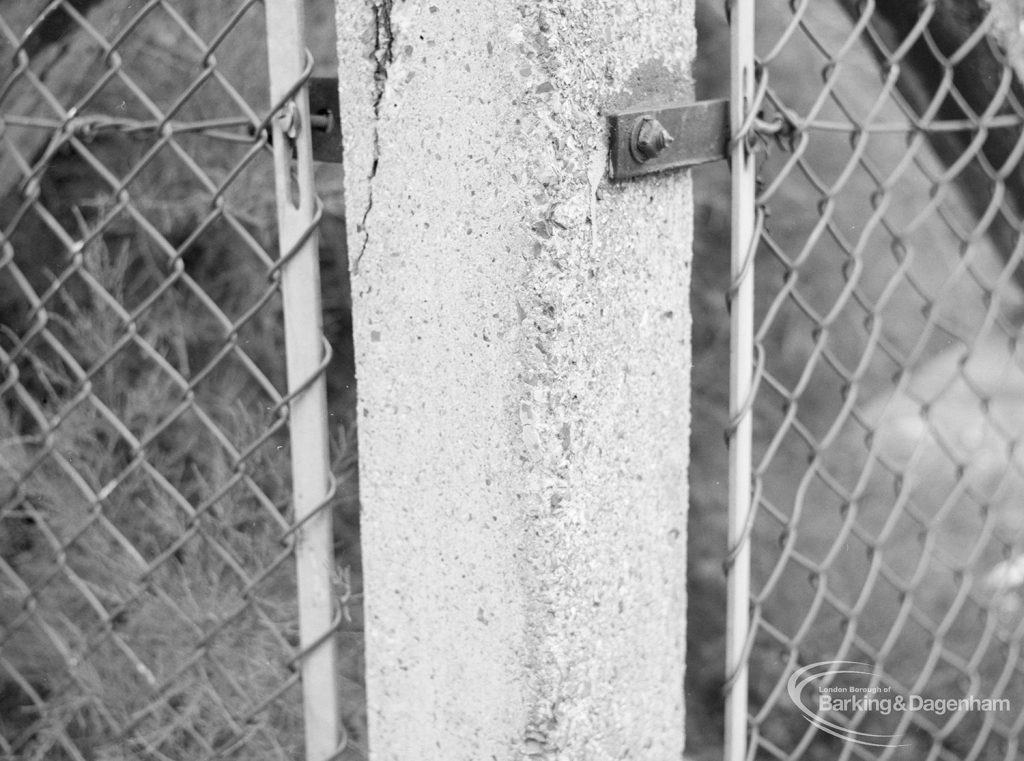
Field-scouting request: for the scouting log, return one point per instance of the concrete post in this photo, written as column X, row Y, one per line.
column 522, row 341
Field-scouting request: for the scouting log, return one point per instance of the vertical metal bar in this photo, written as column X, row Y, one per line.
column 300, row 277
column 744, row 225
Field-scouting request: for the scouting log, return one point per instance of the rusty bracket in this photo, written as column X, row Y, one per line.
column 669, row 136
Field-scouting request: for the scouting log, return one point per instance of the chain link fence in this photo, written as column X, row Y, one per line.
column 884, row 533
column 149, row 597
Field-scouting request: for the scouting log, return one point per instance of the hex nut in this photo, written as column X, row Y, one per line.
column 648, row 139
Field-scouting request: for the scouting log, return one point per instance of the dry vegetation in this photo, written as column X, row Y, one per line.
column 147, row 598
column 147, row 605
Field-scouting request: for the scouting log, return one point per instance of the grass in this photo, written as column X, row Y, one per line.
column 147, row 601
column 147, row 593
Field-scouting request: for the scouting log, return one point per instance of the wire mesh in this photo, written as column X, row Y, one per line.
column 887, row 580
column 148, row 594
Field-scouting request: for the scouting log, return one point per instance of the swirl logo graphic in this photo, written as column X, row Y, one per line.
column 866, row 699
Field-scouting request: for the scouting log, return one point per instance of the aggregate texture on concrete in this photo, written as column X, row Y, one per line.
column 522, row 346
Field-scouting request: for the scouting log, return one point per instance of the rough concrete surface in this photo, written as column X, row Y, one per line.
column 522, row 342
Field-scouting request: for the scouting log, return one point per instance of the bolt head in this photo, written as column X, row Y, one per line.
column 288, row 120
column 649, row 138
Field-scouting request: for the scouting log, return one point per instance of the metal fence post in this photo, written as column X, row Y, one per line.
column 297, row 217
column 741, row 302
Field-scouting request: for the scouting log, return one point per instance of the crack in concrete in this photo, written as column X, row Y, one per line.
column 383, row 51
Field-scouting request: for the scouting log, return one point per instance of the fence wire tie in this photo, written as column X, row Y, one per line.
column 747, row 408
column 756, row 489
column 323, row 637
column 277, row 107
column 748, row 258
column 746, row 133
column 780, row 128
column 325, row 360
column 318, row 215
column 326, row 502
column 748, row 647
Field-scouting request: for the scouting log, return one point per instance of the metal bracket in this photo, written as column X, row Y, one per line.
column 325, row 119
column 668, row 136
column 643, row 141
